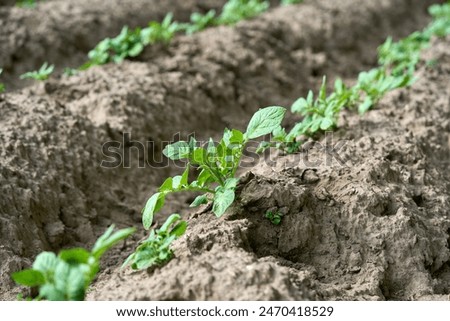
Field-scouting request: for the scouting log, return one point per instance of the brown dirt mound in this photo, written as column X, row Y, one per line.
column 374, row 227
column 55, row 194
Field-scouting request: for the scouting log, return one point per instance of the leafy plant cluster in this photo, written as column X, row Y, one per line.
column 155, row 250
column 27, row 3
column 42, row 74
column 67, row 276
column 131, row 42
column 274, row 217
column 287, row 2
column 216, row 163
column 397, row 64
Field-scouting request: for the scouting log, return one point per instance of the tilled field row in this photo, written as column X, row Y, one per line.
column 53, row 191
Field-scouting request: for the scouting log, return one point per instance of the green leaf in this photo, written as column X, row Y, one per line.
column 199, row 200
column 233, row 136
column 176, row 151
column 106, row 241
column 179, row 229
column 185, row 176
column 264, row 121
column 326, row 123
column 29, row 277
column 222, row 201
column 75, row 256
column 231, row 183
column 170, row 220
column 203, row 178
column 167, row 186
column 45, row 262
column 70, row 280
column 154, row 204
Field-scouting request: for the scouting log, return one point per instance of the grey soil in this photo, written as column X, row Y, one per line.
column 55, row 194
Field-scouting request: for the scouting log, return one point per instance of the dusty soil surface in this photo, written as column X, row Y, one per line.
column 55, row 194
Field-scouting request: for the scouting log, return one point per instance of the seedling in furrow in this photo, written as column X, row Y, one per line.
column 200, row 22
column 320, row 114
column 67, row 276
column 217, row 165
column 287, row 2
column 27, row 3
column 42, row 74
column 274, row 217
column 130, row 43
column 2, row 86
column 155, row 250
column 236, row 10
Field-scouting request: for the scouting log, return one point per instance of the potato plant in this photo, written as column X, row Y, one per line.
column 236, row 10
column 397, row 62
column 67, row 276
column 217, row 165
column 41, row 74
column 155, row 250
column 2, row 86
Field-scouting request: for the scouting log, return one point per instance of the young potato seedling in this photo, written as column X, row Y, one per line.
column 200, row 22
column 217, row 164
column 320, row 114
column 274, row 217
column 155, row 250
column 42, row 74
column 2, row 86
column 287, row 2
column 236, row 10
column 131, row 43
column 27, row 3
column 67, row 276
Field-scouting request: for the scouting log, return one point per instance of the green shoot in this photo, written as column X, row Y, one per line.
column 376, row 83
column 42, row 74
column 200, row 22
column 287, row 2
column 27, row 3
column 398, row 61
column 67, row 276
column 217, row 165
column 274, row 217
column 320, row 114
column 441, row 20
column 155, row 250
column 69, row 72
column 160, row 32
column 236, row 10
column 131, row 43
column 2, row 86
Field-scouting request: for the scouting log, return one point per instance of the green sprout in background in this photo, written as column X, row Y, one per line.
column 42, row 74
column 287, row 2
column 27, row 3
column 236, row 10
column 274, row 217
column 2, row 86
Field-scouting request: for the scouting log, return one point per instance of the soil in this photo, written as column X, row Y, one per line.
column 373, row 226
